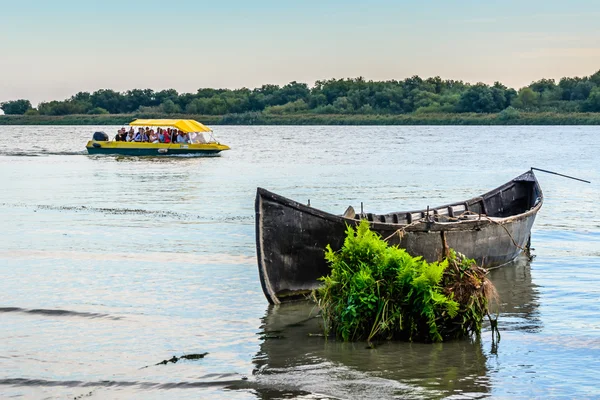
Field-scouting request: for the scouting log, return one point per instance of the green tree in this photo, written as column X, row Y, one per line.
column 526, row 99
column 592, row 104
column 65, row 107
column 113, row 102
column 164, row 95
column 343, row 105
column 136, row 98
column 316, row 99
column 216, row 106
column 82, row 96
column 169, row 107
column 543, row 85
column 595, row 78
column 581, row 90
column 480, row 98
column 15, row 107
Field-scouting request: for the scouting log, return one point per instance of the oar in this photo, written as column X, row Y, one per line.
column 556, row 173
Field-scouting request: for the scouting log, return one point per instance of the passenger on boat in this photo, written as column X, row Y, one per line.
column 152, row 137
column 182, row 137
column 163, row 137
column 121, row 135
column 130, row 135
column 141, row 136
column 197, row 137
column 167, row 136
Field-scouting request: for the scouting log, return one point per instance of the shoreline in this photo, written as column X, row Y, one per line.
column 258, row 118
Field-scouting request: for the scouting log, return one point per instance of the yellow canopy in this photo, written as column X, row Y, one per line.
column 185, row 125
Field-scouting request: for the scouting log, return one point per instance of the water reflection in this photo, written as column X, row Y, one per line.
column 294, row 358
column 519, row 297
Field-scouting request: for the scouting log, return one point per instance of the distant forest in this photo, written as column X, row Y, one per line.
column 335, row 96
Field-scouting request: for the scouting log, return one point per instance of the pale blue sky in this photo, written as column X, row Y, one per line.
column 53, row 49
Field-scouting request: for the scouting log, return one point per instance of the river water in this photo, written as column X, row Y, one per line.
column 110, row 265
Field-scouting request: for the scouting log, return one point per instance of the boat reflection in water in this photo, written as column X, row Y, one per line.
column 294, row 361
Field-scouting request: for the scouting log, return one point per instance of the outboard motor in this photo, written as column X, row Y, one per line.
column 100, row 137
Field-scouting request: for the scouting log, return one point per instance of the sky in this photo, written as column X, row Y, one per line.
column 50, row 50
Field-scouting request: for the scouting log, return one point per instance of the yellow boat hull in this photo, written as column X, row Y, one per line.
column 154, row 149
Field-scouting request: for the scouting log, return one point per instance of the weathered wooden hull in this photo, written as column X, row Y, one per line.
column 291, row 237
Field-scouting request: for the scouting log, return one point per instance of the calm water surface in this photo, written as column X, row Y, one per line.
column 111, row 264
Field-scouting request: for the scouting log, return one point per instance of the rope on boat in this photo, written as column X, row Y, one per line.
column 402, row 231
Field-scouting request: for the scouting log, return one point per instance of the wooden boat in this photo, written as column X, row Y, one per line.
column 199, row 144
column 291, row 237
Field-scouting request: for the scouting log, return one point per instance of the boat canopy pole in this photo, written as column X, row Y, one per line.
column 556, row 173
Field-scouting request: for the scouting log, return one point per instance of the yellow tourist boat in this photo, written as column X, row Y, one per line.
column 200, row 140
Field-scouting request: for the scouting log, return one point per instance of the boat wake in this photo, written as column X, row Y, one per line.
column 151, row 257
column 40, row 153
column 56, row 313
column 110, row 383
column 133, row 211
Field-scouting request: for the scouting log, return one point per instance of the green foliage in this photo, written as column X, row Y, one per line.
column 288, row 108
column 508, row 114
column 481, row 98
column 380, row 292
column 169, row 107
column 526, row 99
column 592, row 104
column 567, row 116
column 390, row 99
column 66, row 107
column 97, row 111
column 15, row 107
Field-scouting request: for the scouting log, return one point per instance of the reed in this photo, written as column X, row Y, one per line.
column 380, row 292
column 310, row 118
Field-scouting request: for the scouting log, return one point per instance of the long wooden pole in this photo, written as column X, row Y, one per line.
column 556, row 173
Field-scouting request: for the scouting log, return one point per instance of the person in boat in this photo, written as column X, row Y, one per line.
column 197, row 137
column 140, row 136
column 130, row 135
column 167, row 136
column 163, row 136
column 182, row 137
column 120, row 137
column 152, row 137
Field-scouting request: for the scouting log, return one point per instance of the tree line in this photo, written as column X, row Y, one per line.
column 335, row 96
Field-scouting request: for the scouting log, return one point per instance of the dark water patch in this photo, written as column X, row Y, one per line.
column 58, row 313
